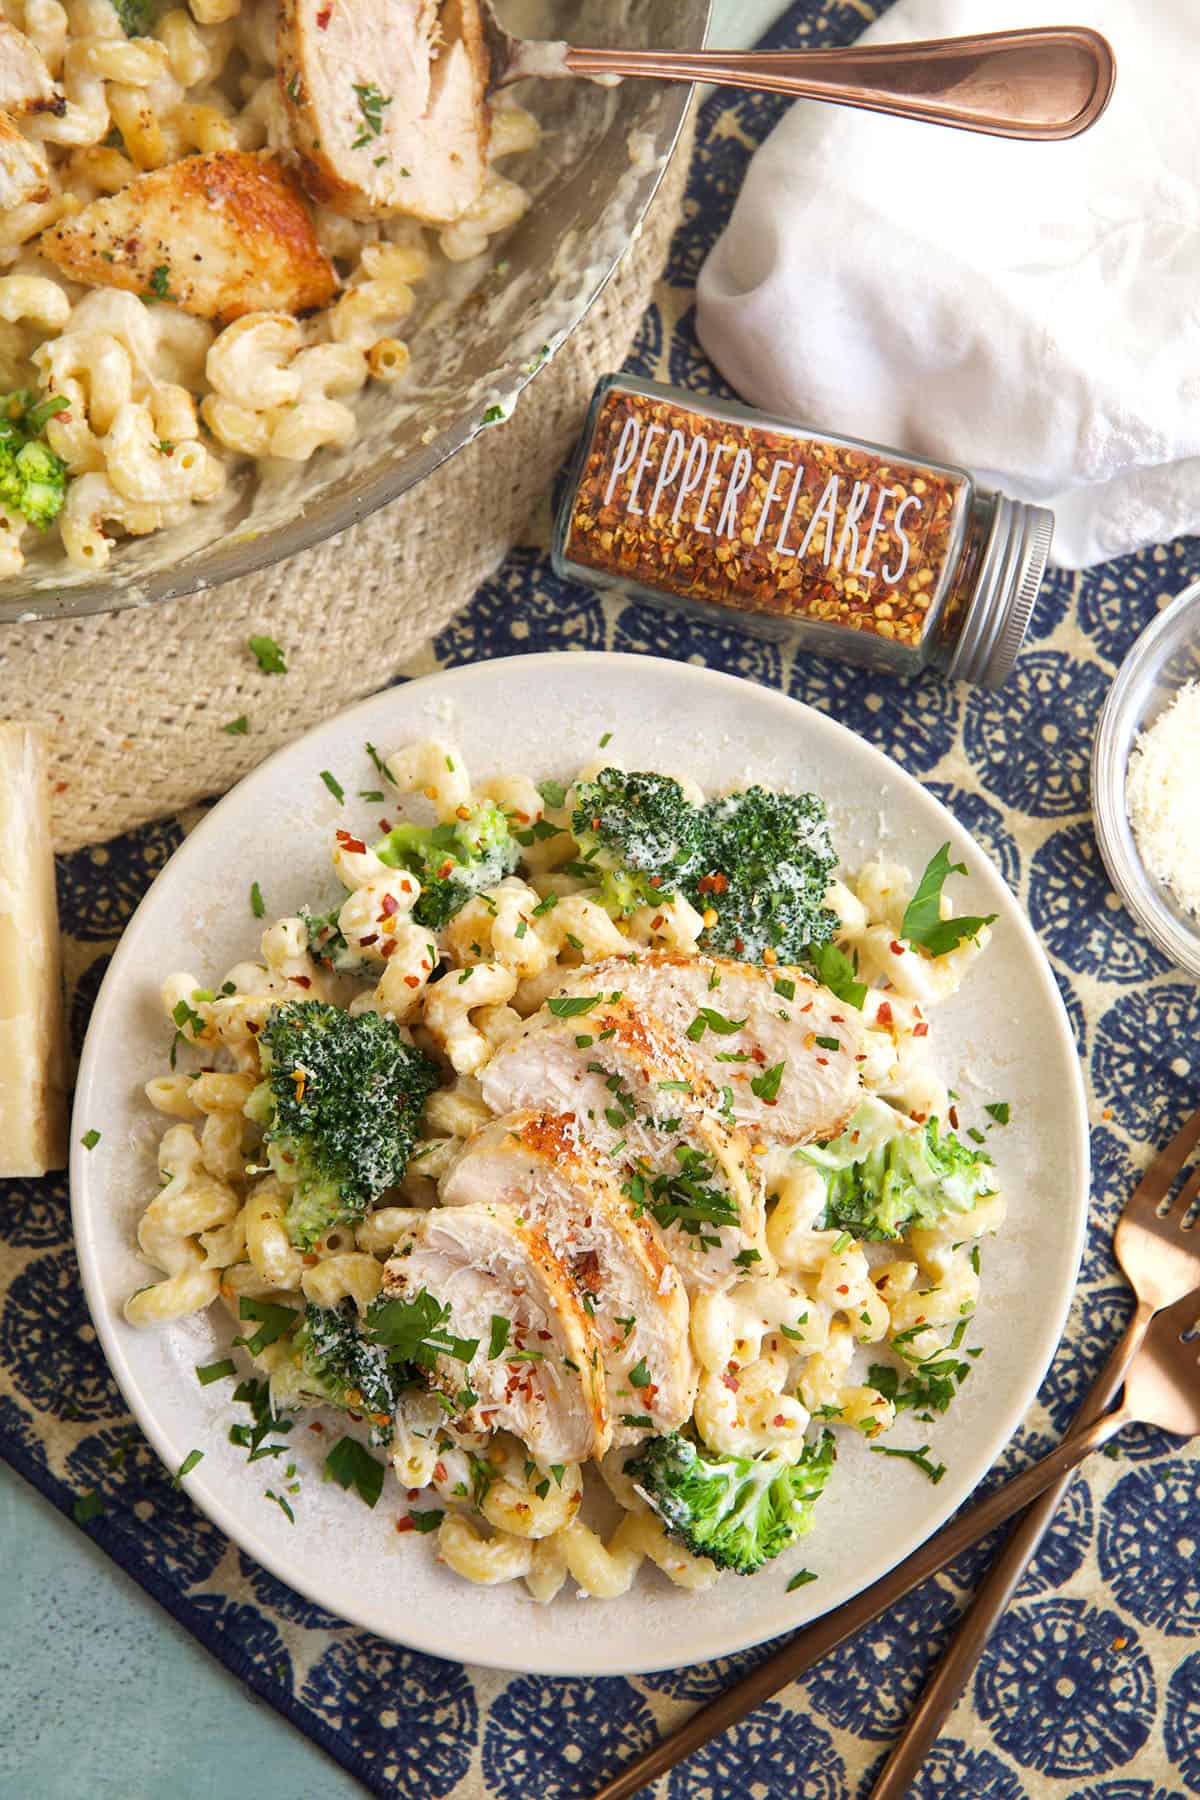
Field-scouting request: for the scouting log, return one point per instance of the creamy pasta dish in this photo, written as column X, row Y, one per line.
column 588, row 1142
column 214, row 221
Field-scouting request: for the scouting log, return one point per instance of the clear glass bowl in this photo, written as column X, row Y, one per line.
column 477, row 340
column 1166, row 655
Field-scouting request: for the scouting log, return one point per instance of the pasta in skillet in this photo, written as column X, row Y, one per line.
column 592, row 1127
column 181, row 288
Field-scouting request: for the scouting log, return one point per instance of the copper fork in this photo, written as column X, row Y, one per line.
column 1163, row 1266
column 1162, row 1262
column 1047, row 82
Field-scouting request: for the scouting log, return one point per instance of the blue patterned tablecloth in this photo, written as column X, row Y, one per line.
column 1090, row 1689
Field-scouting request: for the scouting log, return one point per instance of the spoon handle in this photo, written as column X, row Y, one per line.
column 1046, row 82
column 823, row 1635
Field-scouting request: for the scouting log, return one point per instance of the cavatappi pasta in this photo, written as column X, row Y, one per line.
column 818, row 1326
column 161, row 404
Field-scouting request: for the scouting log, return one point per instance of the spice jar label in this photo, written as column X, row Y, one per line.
column 724, row 509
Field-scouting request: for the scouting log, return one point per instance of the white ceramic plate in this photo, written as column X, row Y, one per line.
column 1004, row 1036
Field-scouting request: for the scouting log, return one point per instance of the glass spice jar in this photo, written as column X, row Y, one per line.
column 842, row 548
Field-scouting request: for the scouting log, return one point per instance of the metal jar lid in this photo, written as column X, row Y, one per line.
column 1011, row 568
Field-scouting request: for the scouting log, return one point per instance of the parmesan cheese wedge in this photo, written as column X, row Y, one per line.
column 33, row 1050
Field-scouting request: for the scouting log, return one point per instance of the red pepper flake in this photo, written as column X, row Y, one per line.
column 371, row 938
column 413, row 1493
column 324, row 16
column 310, row 1259
column 353, row 844
column 778, row 1420
column 896, row 949
column 303, row 981
column 412, row 981
column 445, row 869
column 656, row 922
column 713, row 884
column 920, row 1030
column 545, row 1336
column 884, row 1012
column 317, row 1427
column 404, row 1522
column 807, row 1008
column 953, row 1117
column 843, row 1289
column 385, row 824
column 389, row 905
column 390, row 948
column 60, row 787
column 823, row 1061
column 440, row 1472
column 730, row 1382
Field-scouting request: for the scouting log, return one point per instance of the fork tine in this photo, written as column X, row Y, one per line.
column 1167, row 1164
column 1187, row 1195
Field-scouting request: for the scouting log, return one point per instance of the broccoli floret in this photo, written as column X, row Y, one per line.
column 739, row 1511
column 877, row 1188
column 765, row 865
column 760, row 862
column 339, row 1105
column 136, row 16
column 453, row 862
column 327, row 943
column 332, row 1364
column 33, row 480
column 638, row 836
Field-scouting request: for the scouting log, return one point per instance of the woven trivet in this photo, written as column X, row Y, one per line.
column 133, row 703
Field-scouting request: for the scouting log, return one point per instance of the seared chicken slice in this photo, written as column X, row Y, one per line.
column 799, row 1043
column 545, row 1383
column 386, row 103
column 26, row 85
column 218, row 235
column 24, row 172
column 641, row 1099
column 535, row 1163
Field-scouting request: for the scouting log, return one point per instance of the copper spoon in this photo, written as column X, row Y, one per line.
column 1162, row 1387
column 1048, row 82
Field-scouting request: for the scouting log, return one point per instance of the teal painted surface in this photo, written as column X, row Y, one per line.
column 101, row 1694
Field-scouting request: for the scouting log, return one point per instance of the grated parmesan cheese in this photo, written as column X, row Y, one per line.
column 1163, row 797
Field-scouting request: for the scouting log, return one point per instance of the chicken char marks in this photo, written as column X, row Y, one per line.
column 533, row 1162
column 545, row 1383
column 648, row 1114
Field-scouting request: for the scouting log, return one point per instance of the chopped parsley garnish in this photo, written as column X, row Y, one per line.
column 785, row 987
column 639, row 1375
column 570, row 1006
column 334, row 785
column 552, row 792
column 256, row 900
column 639, row 1421
column 746, row 1259
column 414, row 1331
column 800, row 1579
column 835, row 971
column 766, row 1085
column 272, row 1322
column 829, row 1043
column 999, row 1110
column 270, row 657
column 499, row 1337
column 919, row 1457
column 159, row 287
column 708, row 1019
column 89, row 1506
column 923, row 924
column 976, row 1136
column 675, row 1087
column 257, row 1396
column 427, row 1521
column 931, row 1385
column 186, row 1466
column 371, row 104
column 282, row 1504
column 842, row 1242
column 353, row 1467
column 373, row 796
column 378, row 761
column 239, row 727
column 90, row 1139
column 493, row 416
column 207, row 1373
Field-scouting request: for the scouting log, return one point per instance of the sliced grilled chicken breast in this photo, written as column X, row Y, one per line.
column 24, row 171
column 800, row 1043
column 386, row 103
column 218, row 235
column 535, row 1163
column 545, row 1383
column 643, row 1102
column 26, row 85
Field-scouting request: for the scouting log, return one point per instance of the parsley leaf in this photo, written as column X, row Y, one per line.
column 270, row 657
column 935, row 1471
column 570, row 1006
column 923, row 924
column 766, row 1085
column 353, row 1467
column 836, row 972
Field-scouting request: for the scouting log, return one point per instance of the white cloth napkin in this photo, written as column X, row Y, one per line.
column 1030, row 312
